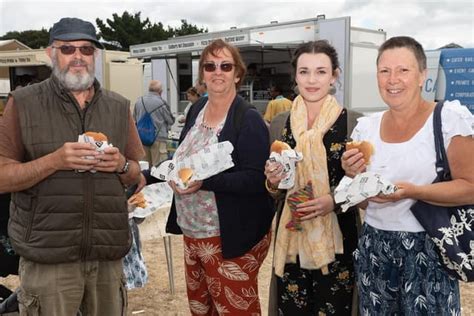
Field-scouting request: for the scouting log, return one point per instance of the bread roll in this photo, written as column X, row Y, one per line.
column 278, row 146
column 365, row 147
column 138, row 199
column 98, row 137
column 185, row 175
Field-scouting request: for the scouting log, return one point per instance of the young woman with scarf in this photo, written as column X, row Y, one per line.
column 313, row 266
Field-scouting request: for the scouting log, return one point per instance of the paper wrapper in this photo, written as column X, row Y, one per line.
column 99, row 146
column 288, row 159
column 206, row 163
column 157, row 195
column 293, row 200
column 352, row 191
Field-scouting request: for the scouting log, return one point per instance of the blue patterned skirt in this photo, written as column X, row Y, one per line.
column 399, row 273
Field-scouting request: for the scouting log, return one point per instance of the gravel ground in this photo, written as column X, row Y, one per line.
column 155, row 298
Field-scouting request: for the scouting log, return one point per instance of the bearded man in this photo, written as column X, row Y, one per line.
column 70, row 228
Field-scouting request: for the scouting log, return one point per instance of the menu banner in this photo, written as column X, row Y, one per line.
column 458, row 69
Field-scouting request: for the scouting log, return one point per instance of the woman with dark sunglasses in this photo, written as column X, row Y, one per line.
column 313, row 264
column 225, row 219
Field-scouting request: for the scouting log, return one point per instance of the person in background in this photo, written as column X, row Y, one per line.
column 313, row 266
column 69, row 228
column 397, row 268
column 9, row 260
column 201, row 88
column 277, row 105
column 225, row 219
column 134, row 265
column 192, row 96
column 2, row 106
column 162, row 117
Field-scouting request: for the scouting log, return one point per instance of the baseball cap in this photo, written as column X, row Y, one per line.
column 73, row 29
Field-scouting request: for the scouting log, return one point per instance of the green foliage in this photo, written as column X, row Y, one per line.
column 31, row 38
column 185, row 29
column 127, row 29
column 119, row 32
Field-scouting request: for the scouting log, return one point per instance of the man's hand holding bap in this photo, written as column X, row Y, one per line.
column 75, row 156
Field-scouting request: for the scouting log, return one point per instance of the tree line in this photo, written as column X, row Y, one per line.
column 118, row 33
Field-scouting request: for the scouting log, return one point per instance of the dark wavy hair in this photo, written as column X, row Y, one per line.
column 193, row 91
column 215, row 48
column 316, row 47
column 405, row 42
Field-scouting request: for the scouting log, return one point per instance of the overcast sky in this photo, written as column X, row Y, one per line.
column 433, row 23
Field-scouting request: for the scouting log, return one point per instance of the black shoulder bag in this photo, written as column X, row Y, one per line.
column 450, row 228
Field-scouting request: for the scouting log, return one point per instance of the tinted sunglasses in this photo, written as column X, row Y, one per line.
column 70, row 49
column 211, row 67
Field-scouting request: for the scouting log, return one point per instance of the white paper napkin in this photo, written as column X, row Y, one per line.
column 288, row 158
column 156, row 195
column 99, row 146
column 352, row 191
column 206, row 163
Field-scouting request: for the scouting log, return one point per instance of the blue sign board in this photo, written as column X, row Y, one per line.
column 458, row 66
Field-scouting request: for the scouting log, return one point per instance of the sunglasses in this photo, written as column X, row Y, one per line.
column 70, row 49
column 211, row 67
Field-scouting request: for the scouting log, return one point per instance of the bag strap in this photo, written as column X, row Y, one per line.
column 157, row 108
column 143, row 103
column 239, row 115
column 442, row 164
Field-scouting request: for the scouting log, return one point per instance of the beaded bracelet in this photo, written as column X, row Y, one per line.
column 269, row 188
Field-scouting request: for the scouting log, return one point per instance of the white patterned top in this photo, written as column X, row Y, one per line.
column 197, row 212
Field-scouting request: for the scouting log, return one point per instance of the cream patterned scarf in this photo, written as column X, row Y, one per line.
column 321, row 238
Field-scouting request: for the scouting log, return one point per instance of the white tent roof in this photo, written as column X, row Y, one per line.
column 9, row 41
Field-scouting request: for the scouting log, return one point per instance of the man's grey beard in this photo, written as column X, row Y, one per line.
column 73, row 81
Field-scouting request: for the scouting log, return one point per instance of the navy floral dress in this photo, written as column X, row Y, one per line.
column 309, row 292
column 134, row 268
